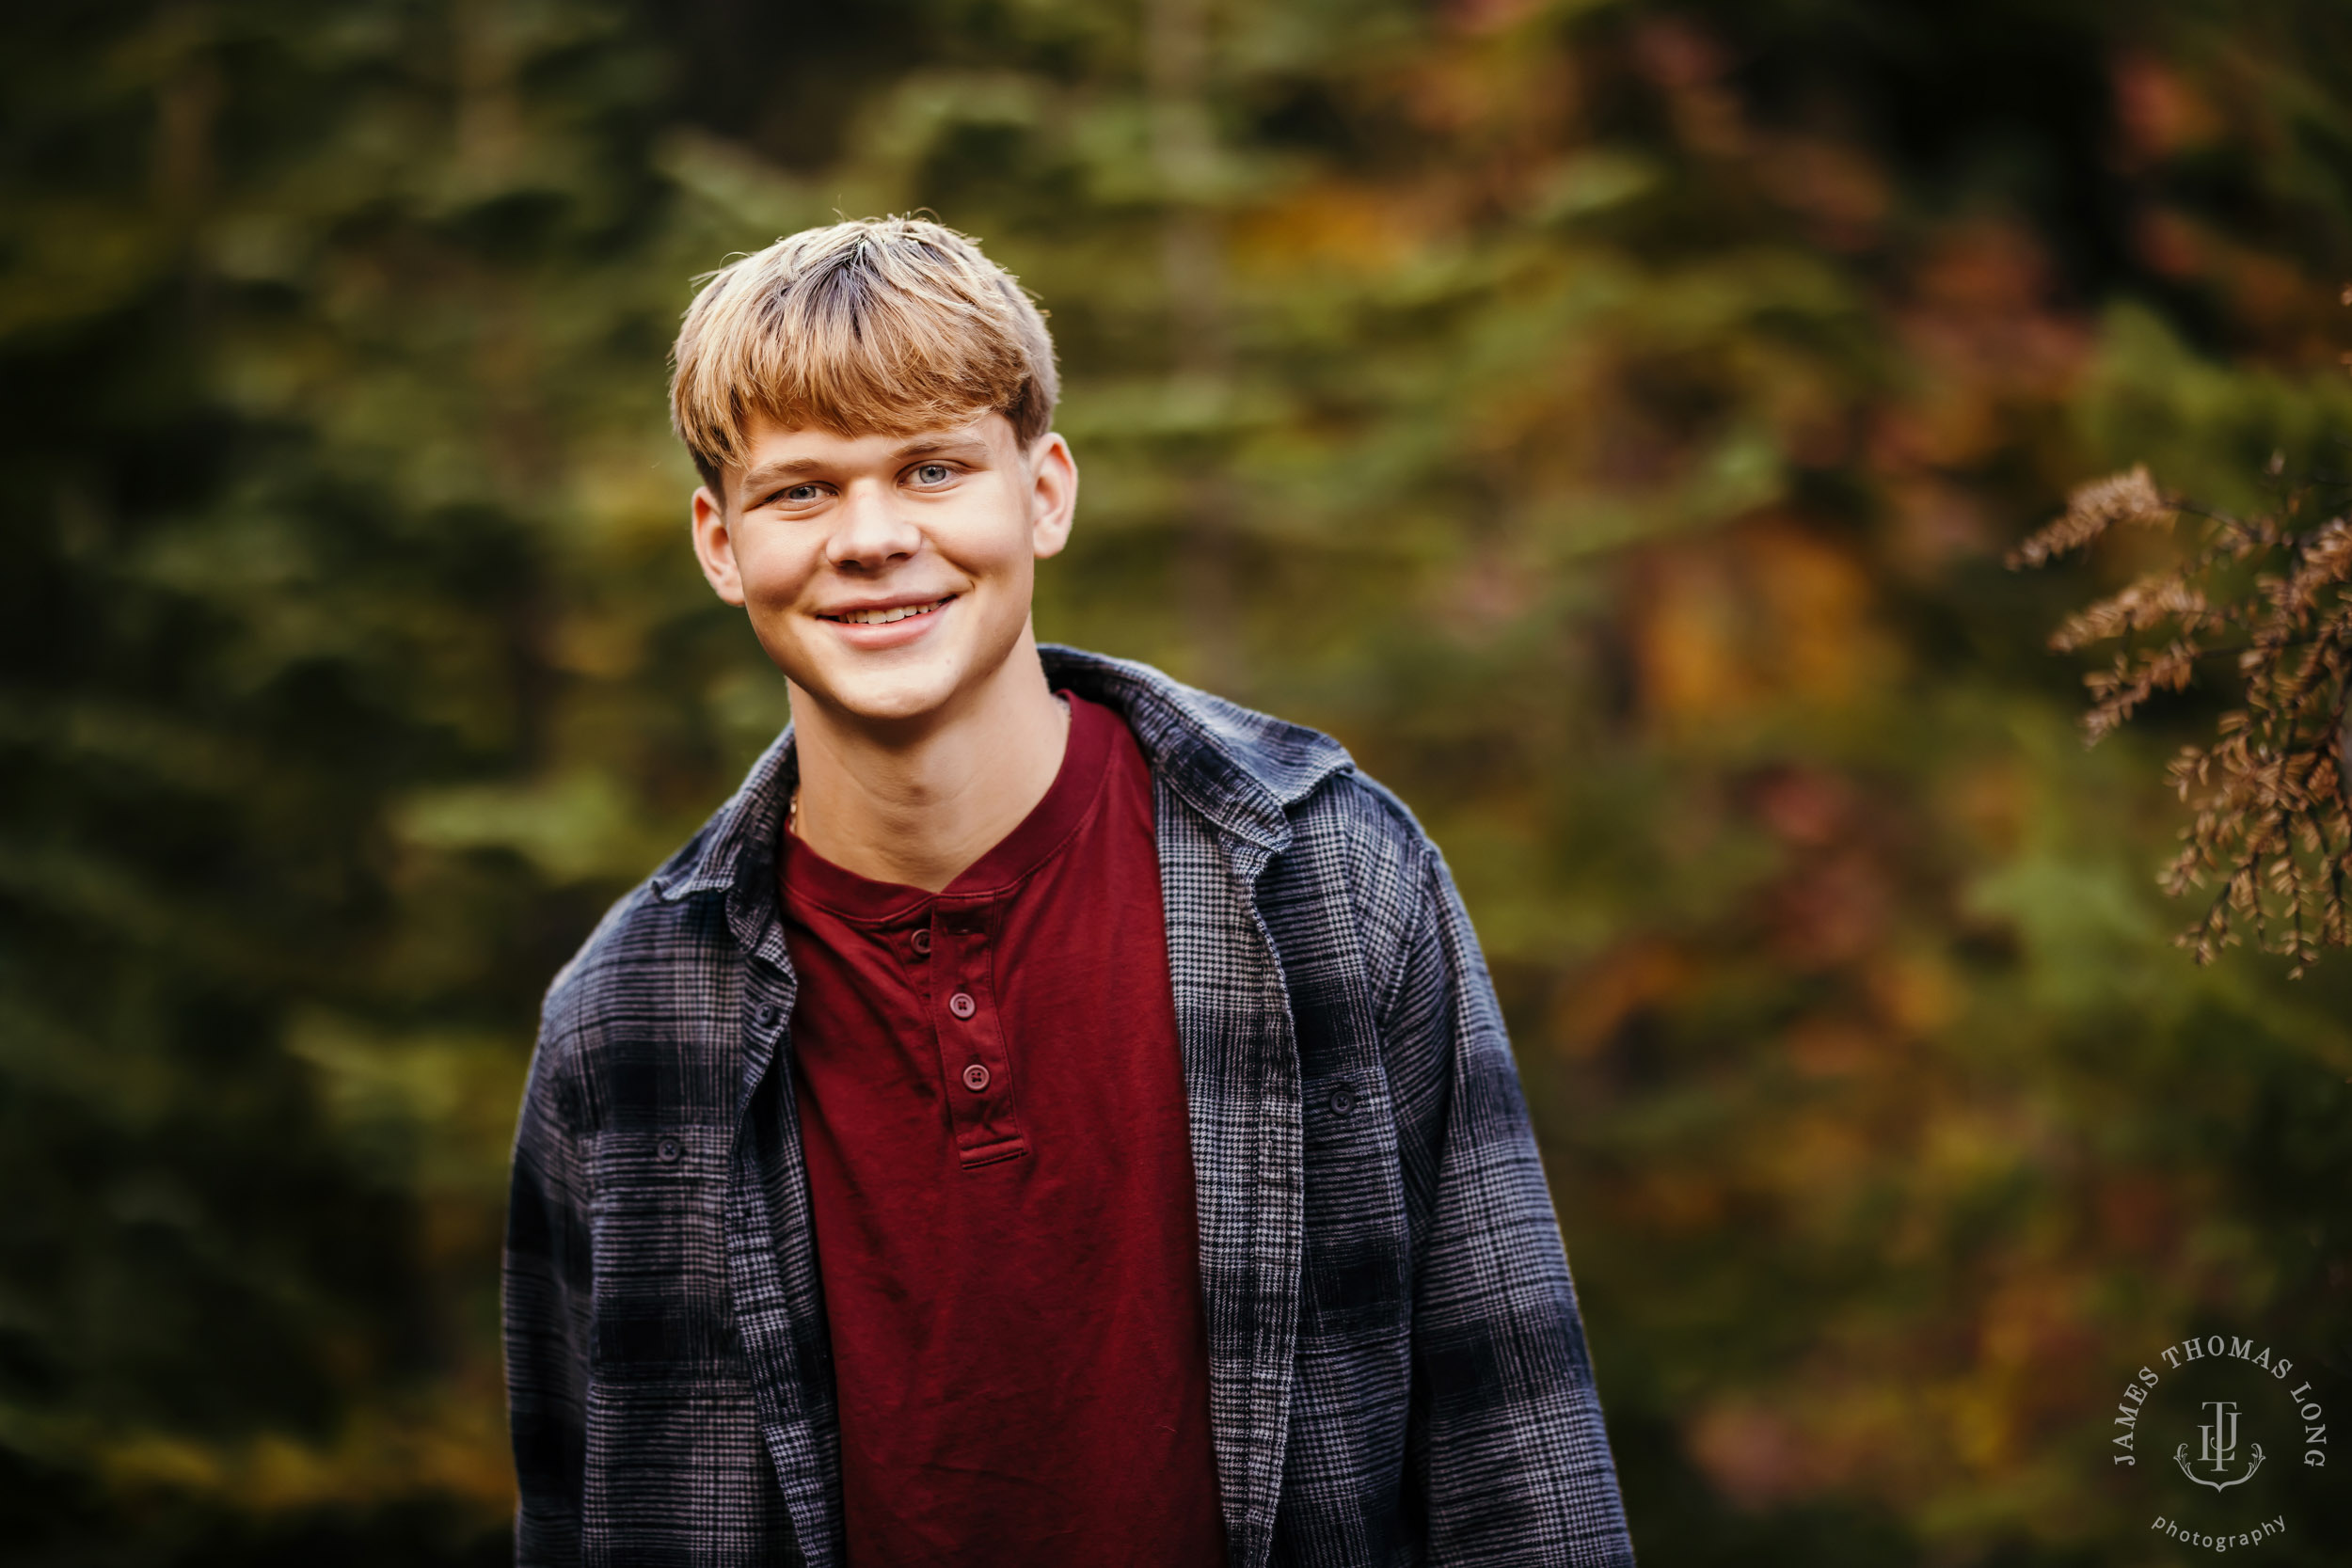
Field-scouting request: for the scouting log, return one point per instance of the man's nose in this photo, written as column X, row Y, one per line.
column 869, row 529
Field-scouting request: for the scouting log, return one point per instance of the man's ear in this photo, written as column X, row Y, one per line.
column 714, row 547
column 1052, row 494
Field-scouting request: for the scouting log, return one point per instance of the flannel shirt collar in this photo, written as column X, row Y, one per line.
column 1241, row 771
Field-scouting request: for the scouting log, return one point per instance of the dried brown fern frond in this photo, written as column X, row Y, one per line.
column 2090, row 511
column 2266, row 600
column 2135, row 677
column 2148, row 603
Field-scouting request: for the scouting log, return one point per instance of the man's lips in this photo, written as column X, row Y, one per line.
column 883, row 614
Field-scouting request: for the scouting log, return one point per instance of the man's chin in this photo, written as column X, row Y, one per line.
column 882, row 700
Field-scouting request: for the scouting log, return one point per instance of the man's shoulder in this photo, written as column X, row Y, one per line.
column 1236, row 762
column 1230, row 757
column 647, row 946
column 1255, row 775
column 655, row 960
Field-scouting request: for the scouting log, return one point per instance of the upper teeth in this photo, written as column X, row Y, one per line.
column 883, row 617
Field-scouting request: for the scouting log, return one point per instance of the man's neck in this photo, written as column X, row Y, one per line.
column 917, row 804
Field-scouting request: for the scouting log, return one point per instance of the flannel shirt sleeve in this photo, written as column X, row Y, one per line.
column 1510, row 1449
column 547, row 1282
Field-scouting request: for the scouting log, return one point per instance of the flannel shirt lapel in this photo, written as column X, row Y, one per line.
column 1241, row 1088
column 771, row 1243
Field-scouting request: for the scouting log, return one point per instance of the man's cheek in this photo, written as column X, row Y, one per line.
column 772, row 585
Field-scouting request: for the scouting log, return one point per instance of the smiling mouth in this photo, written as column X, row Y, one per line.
column 883, row 617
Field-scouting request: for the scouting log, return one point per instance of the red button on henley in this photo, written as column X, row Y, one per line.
column 992, row 1107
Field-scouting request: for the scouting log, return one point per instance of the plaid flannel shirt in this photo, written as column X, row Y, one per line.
column 1397, row 1369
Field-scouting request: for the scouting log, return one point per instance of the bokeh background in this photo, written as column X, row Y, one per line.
column 1606, row 416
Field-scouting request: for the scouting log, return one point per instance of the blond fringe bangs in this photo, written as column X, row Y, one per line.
column 877, row 326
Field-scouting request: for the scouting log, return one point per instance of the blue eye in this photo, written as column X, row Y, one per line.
column 933, row 473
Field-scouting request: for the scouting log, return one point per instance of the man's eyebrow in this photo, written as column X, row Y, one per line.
column 768, row 473
column 936, row 446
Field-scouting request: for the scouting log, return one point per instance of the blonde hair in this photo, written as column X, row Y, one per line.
column 885, row 325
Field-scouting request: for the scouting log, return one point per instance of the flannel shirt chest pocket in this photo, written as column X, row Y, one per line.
column 657, row 1219
column 1355, row 1264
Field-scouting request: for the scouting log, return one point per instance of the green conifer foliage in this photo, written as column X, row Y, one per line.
column 1607, row 418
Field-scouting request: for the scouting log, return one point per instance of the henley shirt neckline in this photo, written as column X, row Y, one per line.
column 1073, row 797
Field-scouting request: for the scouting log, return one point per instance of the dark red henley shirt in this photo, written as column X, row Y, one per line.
column 992, row 1107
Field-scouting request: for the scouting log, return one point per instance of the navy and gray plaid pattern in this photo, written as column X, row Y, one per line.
column 1397, row 1368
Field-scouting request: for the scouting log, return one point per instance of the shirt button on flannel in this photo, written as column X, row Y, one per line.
column 922, row 941
column 976, row 1078
column 767, row 1015
column 962, row 1004
column 668, row 1150
column 1343, row 1101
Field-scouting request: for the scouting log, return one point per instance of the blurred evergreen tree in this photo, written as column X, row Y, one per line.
column 1607, row 418
column 331, row 352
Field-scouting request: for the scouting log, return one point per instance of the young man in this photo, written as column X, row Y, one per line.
column 1049, row 1116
